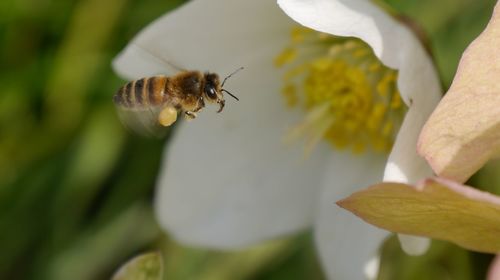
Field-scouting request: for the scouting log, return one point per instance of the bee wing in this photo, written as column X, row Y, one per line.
column 144, row 62
column 142, row 120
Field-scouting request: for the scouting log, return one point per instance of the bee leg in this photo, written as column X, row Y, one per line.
column 201, row 104
column 221, row 103
column 190, row 115
column 198, row 109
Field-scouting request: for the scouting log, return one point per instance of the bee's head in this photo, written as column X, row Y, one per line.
column 213, row 89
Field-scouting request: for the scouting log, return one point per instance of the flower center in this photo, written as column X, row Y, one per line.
column 350, row 98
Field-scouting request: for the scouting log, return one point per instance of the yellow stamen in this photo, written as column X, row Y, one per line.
column 299, row 33
column 350, row 98
column 287, row 56
column 290, row 94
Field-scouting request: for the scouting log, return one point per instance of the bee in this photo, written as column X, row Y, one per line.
column 149, row 104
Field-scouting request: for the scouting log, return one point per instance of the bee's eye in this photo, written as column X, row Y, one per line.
column 210, row 91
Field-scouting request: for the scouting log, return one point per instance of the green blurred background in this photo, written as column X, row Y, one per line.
column 76, row 188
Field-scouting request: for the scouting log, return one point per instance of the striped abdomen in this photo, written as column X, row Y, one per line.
column 143, row 92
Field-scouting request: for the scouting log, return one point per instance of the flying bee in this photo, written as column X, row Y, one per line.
column 148, row 104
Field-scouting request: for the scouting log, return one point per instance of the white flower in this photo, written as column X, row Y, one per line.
column 228, row 180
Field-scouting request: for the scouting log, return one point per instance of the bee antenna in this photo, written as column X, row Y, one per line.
column 231, row 94
column 230, row 76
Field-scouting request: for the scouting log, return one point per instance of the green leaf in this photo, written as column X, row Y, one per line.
column 144, row 267
column 435, row 208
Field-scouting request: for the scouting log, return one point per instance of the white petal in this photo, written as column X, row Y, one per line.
column 406, row 166
column 230, row 182
column 391, row 42
column 346, row 243
column 214, row 35
column 227, row 179
column 397, row 48
column 414, row 245
column 372, row 268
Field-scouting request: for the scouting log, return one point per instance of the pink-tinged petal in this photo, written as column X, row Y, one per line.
column 436, row 208
column 494, row 272
column 463, row 133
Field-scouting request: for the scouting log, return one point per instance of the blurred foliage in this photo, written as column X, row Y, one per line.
column 147, row 266
column 442, row 261
column 76, row 188
column 450, row 26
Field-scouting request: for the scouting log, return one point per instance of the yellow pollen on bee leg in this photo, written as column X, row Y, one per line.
column 167, row 116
